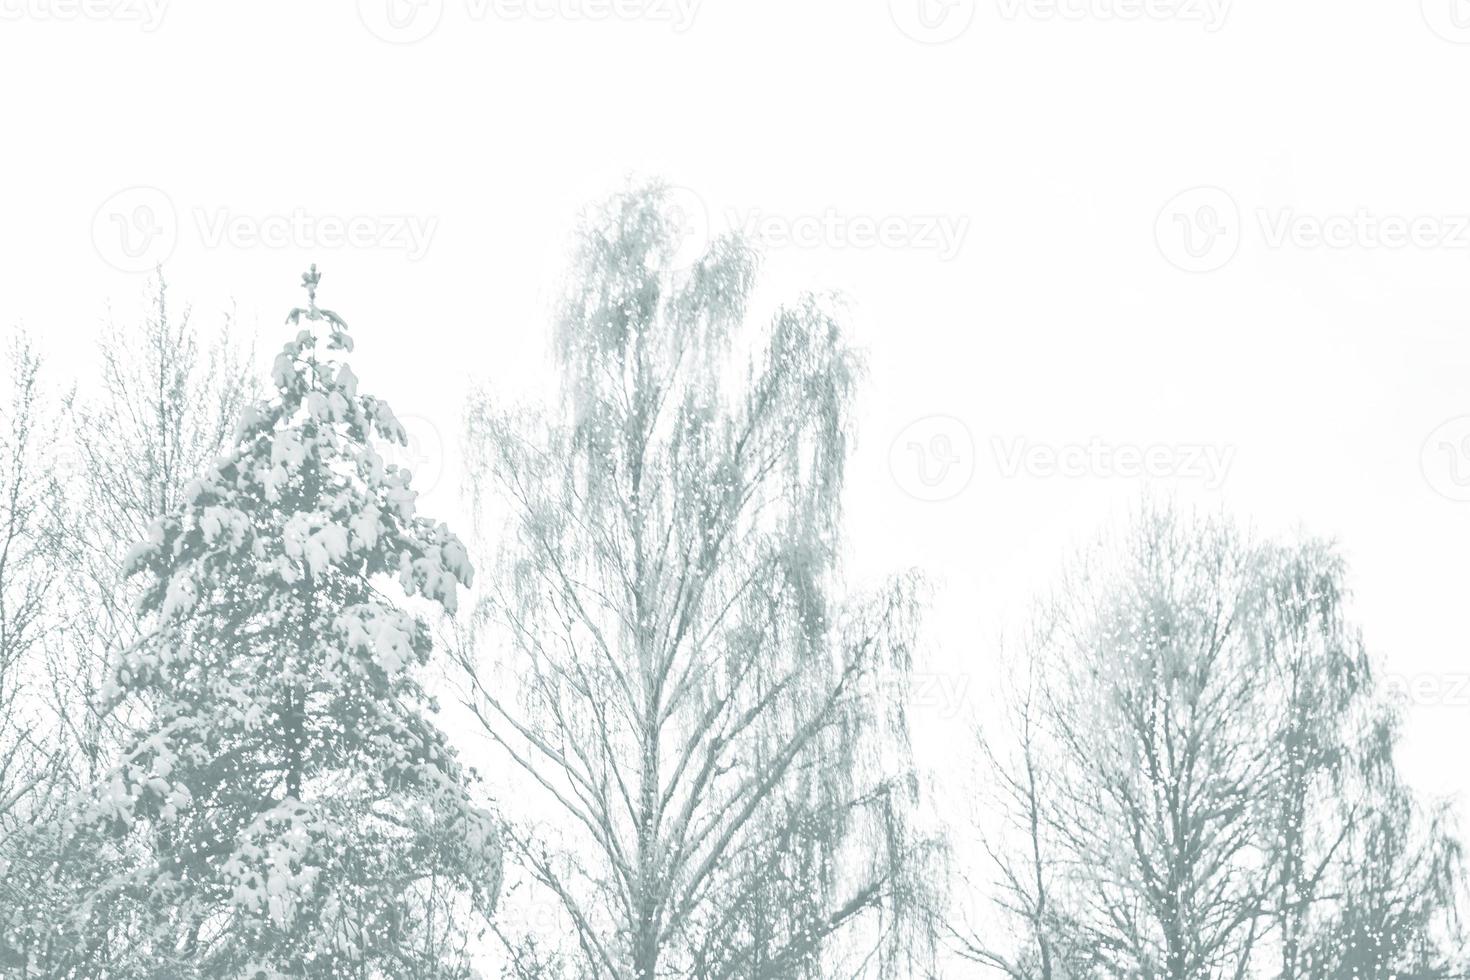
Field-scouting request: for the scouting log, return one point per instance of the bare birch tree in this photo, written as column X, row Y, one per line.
column 1024, row 872
column 1324, row 700
column 1387, row 903
column 163, row 407
column 104, row 461
column 1160, row 690
column 30, row 576
column 1200, row 781
column 678, row 681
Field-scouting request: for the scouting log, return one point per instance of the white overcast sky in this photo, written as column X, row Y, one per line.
column 1012, row 214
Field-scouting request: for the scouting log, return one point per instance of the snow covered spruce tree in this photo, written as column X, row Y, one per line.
column 308, row 819
column 713, row 734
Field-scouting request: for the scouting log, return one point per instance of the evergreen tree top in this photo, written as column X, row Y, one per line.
column 287, row 745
